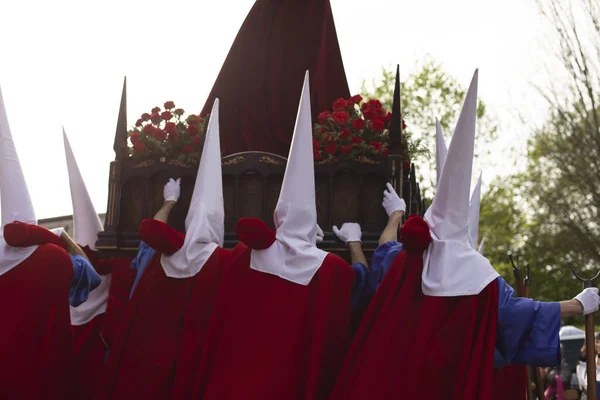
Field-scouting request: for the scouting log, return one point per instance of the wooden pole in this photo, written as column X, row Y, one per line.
column 590, row 349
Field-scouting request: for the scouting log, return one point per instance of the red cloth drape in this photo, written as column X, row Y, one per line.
column 36, row 346
column 413, row 346
column 510, row 382
column 260, row 82
column 269, row 338
column 142, row 361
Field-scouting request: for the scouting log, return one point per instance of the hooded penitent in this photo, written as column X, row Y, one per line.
column 294, row 255
column 452, row 267
column 204, row 224
column 280, row 324
column 418, row 338
column 35, row 277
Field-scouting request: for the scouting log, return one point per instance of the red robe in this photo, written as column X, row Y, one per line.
column 269, row 338
column 412, row 346
column 143, row 357
column 89, row 339
column 261, row 78
column 36, row 346
column 510, row 382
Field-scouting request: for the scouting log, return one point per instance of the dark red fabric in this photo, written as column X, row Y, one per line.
column 20, row 234
column 260, row 82
column 414, row 235
column 195, row 325
column 269, row 338
column 255, row 233
column 89, row 355
column 413, row 346
column 118, row 296
column 160, row 236
column 36, row 346
column 510, row 382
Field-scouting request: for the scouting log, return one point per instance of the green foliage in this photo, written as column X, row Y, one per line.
column 425, row 95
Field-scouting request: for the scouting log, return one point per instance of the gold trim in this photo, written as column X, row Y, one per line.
column 365, row 160
column 177, row 163
column 270, row 160
column 147, row 163
column 234, row 161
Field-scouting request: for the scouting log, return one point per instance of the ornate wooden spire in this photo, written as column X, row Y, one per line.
column 120, row 145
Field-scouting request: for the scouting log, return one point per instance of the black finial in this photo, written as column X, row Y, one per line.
column 120, row 145
column 396, row 122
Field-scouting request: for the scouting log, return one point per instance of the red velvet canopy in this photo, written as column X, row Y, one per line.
column 260, row 80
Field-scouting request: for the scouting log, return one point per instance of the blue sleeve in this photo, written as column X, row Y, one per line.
column 139, row 263
column 527, row 330
column 382, row 259
column 360, row 272
column 85, row 279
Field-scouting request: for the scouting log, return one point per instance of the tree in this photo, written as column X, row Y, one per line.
column 426, row 94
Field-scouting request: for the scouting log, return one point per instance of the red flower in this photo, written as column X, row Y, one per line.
column 166, row 115
column 173, row 137
column 388, row 117
column 356, row 99
column 339, row 105
column 406, row 165
column 381, row 113
column 148, row 129
column 330, row 137
column 385, row 152
column 139, row 146
column 193, row 130
column 193, row 119
column 341, row 117
column 358, row 124
column 375, row 145
column 356, row 140
column 135, row 137
column 317, row 155
column 369, row 114
column 345, row 133
column 138, row 122
column 155, row 118
column 316, row 144
column 197, row 141
column 374, row 103
column 321, row 130
column 159, row 134
column 346, row 150
column 179, row 111
column 188, row 148
column 145, row 117
column 331, row 148
column 349, row 103
column 323, row 117
column 171, row 128
column 403, row 124
column 169, row 105
column 155, row 110
column 377, row 125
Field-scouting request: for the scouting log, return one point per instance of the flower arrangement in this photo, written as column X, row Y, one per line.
column 165, row 133
column 354, row 130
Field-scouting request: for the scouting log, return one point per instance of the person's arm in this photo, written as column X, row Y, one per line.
column 163, row 214
column 351, row 234
column 570, row 308
column 395, row 207
column 171, row 193
column 70, row 246
column 356, row 253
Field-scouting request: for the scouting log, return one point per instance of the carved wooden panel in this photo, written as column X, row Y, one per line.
column 133, row 200
column 323, row 199
column 250, row 198
column 273, row 190
column 346, row 200
column 229, row 200
column 373, row 214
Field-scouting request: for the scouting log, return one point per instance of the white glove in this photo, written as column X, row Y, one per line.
column 57, row 231
column 350, row 232
column 320, row 234
column 391, row 201
column 172, row 190
column 589, row 300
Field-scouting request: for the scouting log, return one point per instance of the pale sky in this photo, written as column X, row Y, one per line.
column 62, row 62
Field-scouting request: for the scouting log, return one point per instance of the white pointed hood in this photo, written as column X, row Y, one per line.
column 86, row 222
column 440, row 149
column 474, row 207
column 205, row 221
column 14, row 196
column 294, row 255
column 451, row 266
